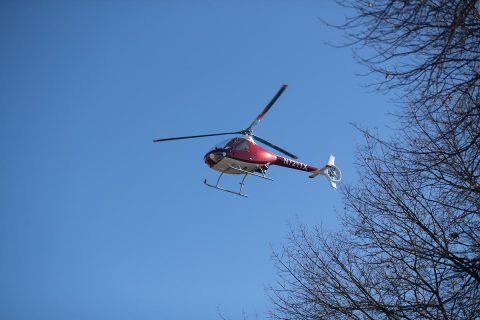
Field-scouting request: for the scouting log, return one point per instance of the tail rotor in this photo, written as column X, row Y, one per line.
column 330, row 171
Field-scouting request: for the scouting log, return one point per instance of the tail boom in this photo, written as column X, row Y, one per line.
column 293, row 164
column 330, row 170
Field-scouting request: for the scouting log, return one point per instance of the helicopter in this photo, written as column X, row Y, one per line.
column 243, row 156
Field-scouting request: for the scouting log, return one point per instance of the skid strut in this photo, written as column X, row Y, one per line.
column 226, row 190
column 242, row 183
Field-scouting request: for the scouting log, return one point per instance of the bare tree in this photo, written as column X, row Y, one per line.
column 410, row 247
column 428, row 48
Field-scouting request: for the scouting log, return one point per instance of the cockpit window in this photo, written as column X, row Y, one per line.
column 223, row 144
column 241, row 146
column 231, row 143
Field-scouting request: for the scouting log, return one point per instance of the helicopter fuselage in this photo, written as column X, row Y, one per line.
column 242, row 155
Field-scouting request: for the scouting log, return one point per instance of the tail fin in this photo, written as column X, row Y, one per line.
column 330, row 171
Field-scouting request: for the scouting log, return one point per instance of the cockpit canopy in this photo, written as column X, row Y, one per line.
column 238, row 144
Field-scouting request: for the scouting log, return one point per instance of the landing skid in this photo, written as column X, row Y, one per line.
column 242, row 183
column 226, row 190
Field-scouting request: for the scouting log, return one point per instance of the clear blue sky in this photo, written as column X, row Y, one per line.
column 96, row 221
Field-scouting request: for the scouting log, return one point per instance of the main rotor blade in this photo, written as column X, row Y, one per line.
column 267, row 107
column 274, row 146
column 198, row 136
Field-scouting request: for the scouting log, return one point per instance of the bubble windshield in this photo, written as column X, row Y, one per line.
column 225, row 143
column 222, row 143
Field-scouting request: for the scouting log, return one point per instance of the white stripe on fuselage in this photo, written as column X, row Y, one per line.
column 227, row 165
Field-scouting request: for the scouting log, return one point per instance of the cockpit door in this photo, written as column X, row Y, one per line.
column 241, row 150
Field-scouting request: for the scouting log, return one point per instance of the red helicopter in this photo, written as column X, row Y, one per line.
column 242, row 155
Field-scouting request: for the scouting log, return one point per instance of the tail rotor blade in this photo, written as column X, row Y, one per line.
column 267, row 107
column 274, row 146
column 197, row 136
